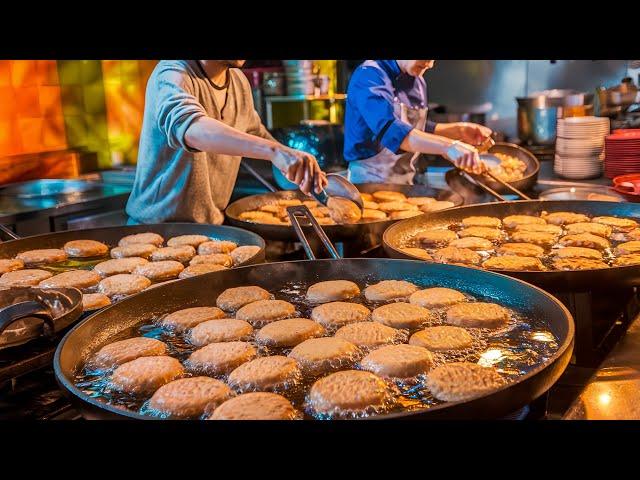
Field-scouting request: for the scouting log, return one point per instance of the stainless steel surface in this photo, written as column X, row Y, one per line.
column 613, row 393
column 580, row 193
column 47, row 188
column 538, row 113
column 468, row 82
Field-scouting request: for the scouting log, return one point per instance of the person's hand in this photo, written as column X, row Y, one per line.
column 465, row 157
column 300, row 168
column 466, row 132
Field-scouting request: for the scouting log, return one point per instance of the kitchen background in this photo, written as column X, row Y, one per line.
column 81, row 120
column 91, row 109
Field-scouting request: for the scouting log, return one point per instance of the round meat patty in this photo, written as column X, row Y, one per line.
column 387, row 290
column 119, row 265
column 514, row 263
column 521, row 250
column 219, row 330
column 459, row 256
column 42, row 256
column 24, row 278
column 217, row 258
column 123, row 351
column 336, row 314
column 243, row 254
column 443, row 338
column 370, row 335
column 563, row 218
column 147, row 238
column 145, row 375
column 460, row 381
column 220, row 358
column 216, row 246
column 85, row 248
column 321, row 355
column 233, row 299
column 402, row 315
column 159, row 271
column 180, row 254
column 331, row 291
column 123, row 284
column 200, row 269
column 262, row 312
column 435, row 238
column 480, row 221
column 94, row 301
column 10, row 265
column 192, row 240
column 187, row 318
column 514, row 221
column 477, row 315
column 289, row 332
column 437, row 297
column 398, row 361
column 272, row 373
column 349, row 393
column 189, row 397
column 140, row 250
column 80, row 279
column 256, row 406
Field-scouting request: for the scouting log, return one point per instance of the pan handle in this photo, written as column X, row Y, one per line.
column 509, row 187
column 304, row 212
column 8, row 232
column 485, row 187
column 22, row 310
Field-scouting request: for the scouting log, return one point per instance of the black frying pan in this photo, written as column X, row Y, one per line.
column 334, row 232
column 97, row 330
column 111, row 236
column 579, row 280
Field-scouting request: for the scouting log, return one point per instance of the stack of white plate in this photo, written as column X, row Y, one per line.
column 300, row 79
column 580, row 147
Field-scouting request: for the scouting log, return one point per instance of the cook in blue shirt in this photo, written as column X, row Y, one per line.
column 386, row 126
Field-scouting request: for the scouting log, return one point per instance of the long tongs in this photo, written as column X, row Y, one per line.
column 490, row 159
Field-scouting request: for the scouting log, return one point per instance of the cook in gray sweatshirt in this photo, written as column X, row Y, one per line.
column 199, row 121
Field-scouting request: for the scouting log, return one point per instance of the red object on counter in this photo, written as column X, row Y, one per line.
column 622, row 153
column 628, row 186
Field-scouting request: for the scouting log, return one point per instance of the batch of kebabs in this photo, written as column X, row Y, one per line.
column 378, row 206
column 550, row 241
column 250, row 355
column 138, row 262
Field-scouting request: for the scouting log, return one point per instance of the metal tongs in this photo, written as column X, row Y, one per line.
column 337, row 186
column 491, row 160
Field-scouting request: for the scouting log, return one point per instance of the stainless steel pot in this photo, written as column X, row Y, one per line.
column 539, row 112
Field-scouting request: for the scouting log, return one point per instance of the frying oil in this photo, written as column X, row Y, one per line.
column 513, row 350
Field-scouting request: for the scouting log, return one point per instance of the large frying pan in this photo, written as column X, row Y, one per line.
column 111, row 236
column 334, row 232
column 97, row 330
column 557, row 281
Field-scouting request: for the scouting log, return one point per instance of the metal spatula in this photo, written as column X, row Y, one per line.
column 339, row 186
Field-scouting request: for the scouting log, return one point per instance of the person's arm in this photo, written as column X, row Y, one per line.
column 207, row 134
column 186, row 125
column 462, row 155
column 467, row 132
column 374, row 98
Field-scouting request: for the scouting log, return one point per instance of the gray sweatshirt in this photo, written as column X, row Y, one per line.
column 175, row 183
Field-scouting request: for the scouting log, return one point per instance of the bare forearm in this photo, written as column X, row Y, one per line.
column 422, row 142
column 210, row 135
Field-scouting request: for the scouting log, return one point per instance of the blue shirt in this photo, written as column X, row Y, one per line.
column 370, row 122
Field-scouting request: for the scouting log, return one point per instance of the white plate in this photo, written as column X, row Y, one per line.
column 584, row 120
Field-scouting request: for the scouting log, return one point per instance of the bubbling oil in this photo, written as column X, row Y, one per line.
column 514, row 350
column 608, row 254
